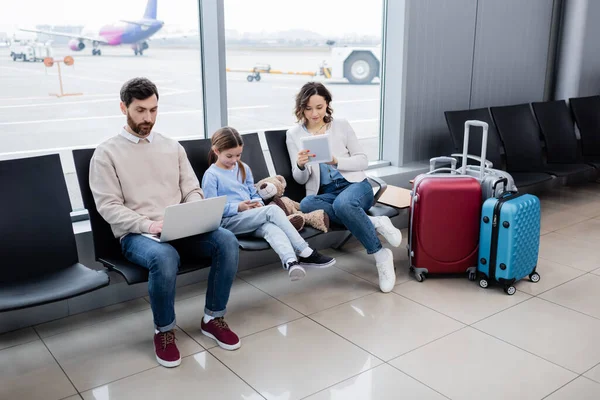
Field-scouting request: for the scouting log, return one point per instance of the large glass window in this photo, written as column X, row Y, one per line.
column 110, row 42
column 337, row 42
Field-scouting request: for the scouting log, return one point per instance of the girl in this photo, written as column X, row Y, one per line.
column 245, row 212
column 340, row 187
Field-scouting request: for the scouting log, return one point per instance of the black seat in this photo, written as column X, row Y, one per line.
column 107, row 249
column 253, row 155
column 280, row 156
column 586, row 111
column 525, row 181
column 558, row 131
column 521, row 134
column 39, row 256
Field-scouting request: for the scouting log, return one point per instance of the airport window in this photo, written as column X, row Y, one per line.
column 109, row 44
column 274, row 47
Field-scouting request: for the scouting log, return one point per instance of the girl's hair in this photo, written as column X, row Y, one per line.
column 302, row 98
column 224, row 139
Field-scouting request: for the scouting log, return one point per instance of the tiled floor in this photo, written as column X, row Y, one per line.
column 334, row 335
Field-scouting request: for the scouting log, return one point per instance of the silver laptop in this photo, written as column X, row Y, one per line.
column 189, row 219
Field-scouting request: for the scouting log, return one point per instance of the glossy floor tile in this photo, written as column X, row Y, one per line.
column 580, row 389
column 594, row 373
column 473, row 365
column 295, row 360
column 15, row 338
column 29, row 371
column 581, row 294
column 551, row 276
column 319, row 290
column 249, row 311
column 99, row 354
column 459, row 298
column 557, row 334
column 579, row 253
column 588, row 230
column 386, row 325
column 200, row 376
column 381, row 383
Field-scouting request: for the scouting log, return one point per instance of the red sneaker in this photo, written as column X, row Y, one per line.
column 218, row 330
column 166, row 350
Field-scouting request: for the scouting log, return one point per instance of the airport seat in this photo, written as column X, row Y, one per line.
column 521, row 134
column 586, row 111
column 40, row 263
column 558, row 131
column 528, row 182
column 197, row 152
column 280, row 156
column 107, row 249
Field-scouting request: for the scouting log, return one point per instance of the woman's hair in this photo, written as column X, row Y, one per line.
column 224, row 139
column 302, row 98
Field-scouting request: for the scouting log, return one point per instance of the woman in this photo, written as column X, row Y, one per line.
column 339, row 187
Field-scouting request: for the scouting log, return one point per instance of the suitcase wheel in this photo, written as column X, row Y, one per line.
column 472, row 276
column 510, row 290
column 535, row 277
column 420, row 277
column 483, row 283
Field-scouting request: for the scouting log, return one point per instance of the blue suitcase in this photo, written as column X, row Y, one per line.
column 509, row 240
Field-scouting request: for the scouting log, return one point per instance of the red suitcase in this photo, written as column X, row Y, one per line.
column 444, row 224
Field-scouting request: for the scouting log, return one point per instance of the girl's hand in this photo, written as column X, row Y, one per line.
column 245, row 205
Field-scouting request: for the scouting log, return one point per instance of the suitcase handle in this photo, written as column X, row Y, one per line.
column 484, row 126
column 503, row 180
column 506, row 193
column 435, row 160
column 435, row 171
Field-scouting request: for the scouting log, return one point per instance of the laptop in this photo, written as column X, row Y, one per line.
column 189, row 219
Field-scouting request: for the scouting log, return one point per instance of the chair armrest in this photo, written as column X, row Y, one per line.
column 382, row 187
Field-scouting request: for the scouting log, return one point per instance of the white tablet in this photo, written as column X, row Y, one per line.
column 319, row 146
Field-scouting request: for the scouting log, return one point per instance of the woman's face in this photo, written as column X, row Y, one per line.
column 315, row 110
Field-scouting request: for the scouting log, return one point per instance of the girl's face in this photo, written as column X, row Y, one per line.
column 228, row 158
column 315, row 110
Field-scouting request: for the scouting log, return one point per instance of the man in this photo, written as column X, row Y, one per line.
column 134, row 176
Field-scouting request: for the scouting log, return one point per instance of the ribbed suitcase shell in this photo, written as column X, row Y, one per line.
column 518, row 238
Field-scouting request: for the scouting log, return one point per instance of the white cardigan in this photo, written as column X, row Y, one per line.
column 352, row 161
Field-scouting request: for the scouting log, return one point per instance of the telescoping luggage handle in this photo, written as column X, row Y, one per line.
column 506, row 192
column 435, row 160
column 465, row 156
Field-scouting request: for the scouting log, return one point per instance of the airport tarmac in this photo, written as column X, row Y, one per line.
column 32, row 121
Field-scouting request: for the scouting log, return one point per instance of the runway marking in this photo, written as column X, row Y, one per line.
column 247, row 107
column 52, row 98
column 114, row 98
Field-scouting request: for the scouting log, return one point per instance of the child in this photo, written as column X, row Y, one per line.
column 245, row 212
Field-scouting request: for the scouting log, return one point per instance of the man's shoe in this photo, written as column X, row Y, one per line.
column 166, row 350
column 218, row 330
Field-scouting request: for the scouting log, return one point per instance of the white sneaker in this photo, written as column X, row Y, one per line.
column 387, row 275
column 389, row 231
column 295, row 271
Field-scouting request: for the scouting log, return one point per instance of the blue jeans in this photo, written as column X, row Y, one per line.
column 346, row 204
column 163, row 260
column 271, row 224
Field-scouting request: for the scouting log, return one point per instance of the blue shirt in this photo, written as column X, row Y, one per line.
column 222, row 182
column 328, row 172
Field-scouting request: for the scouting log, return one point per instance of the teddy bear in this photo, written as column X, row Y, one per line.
column 271, row 190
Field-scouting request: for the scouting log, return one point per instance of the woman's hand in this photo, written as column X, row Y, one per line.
column 303, row 157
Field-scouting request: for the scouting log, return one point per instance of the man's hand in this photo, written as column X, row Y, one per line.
column 156, row 227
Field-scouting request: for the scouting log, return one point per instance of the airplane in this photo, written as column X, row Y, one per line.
column 136, row 33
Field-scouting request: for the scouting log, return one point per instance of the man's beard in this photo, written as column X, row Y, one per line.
column 142, row 129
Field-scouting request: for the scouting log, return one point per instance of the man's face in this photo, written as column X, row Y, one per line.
column 141, row 115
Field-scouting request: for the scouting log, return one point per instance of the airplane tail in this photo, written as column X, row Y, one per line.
column 150, row 12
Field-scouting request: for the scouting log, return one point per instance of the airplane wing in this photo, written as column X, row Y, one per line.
column 68, row 35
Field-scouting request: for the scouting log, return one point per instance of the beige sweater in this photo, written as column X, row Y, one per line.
column 133, row 183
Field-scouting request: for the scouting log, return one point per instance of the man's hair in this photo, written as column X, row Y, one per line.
column 137, row 88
